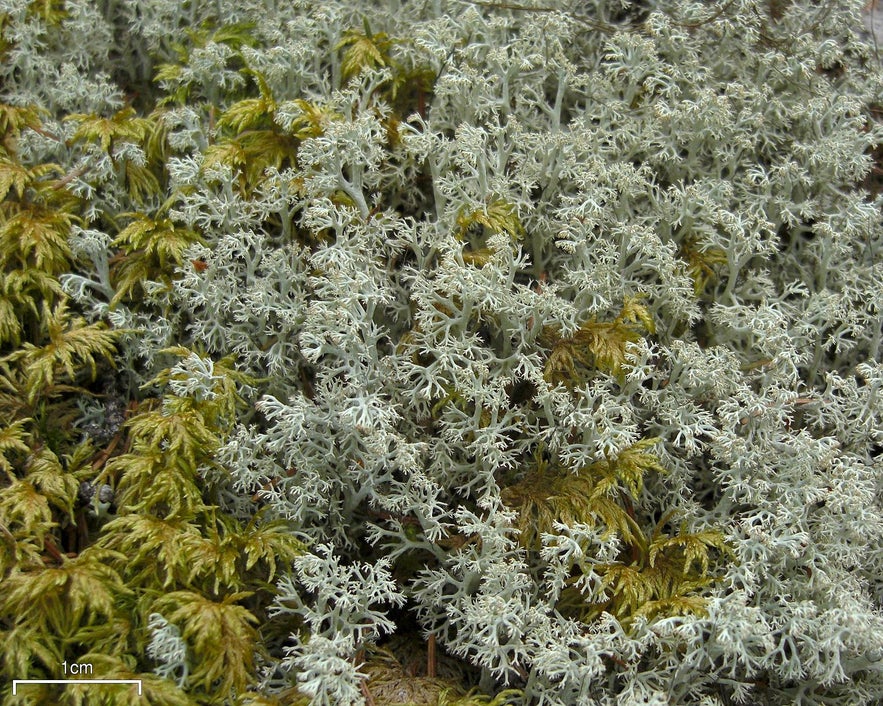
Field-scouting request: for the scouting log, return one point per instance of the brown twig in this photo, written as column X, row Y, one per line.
column 383, row 515
column 271, row 484
column 62, row 182
column 46, row 133
column 54, row 551
column 430, row 657
column 363, row 685
column 102, row 456
column 369, row 699
column 616, row 660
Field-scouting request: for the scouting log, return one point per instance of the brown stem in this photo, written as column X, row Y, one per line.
column 616, row 660
column 54, row 551
column 369, row 699
column 383, row 515
column 102, row 457
column 46, row 133
column 363, row 685
column 430, row 657
column 60, row 183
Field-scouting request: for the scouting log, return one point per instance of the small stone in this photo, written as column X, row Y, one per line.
column 86, row 492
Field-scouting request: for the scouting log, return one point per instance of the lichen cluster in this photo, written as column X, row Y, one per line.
column 441, row 353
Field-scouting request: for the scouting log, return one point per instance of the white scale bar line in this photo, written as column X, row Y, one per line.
column 16, row 682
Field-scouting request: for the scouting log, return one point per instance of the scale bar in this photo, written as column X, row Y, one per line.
column 16, row 682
